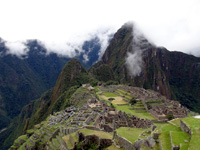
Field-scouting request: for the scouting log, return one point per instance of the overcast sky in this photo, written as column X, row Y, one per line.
column 174, row 24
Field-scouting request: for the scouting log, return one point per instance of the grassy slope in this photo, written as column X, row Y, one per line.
column 101, row 134
column 164, row 129
column 131, row 134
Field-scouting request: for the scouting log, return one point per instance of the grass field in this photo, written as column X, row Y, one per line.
column 108, row 94
column 131, row 134
column 112, row 147
column 178, row 138
column 126, row 109
column 195, row 141
column 194, row 125
column 164, row 130
column 67, row 141
column 192, row 122
column 175, row 122
column 103, row 135
column 117, row 99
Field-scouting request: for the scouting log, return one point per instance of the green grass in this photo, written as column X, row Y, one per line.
column 194, row 125
column 164, row 130
column 184, row 146
column 67, row 139
column 126, row 109
column 195, row 141
column 101, row 134
column 123, row 93
column 108, row 94
column 131, row 134
column 192, row 122
column 175, row 122
column 178, row 138
column 112, row 147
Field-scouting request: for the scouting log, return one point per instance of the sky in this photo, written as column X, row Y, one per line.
column 63, row 25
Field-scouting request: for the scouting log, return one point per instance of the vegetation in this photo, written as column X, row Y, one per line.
column 128, row 109
column 111, row 99
column 170, row 116
column 108, row 94
column 131, row 134
column 132, row 101
column 180, row 138
column 101, row 134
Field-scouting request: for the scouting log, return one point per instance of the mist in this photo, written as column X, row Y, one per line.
column 134, row 58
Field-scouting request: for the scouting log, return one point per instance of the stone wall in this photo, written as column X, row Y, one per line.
column 149, row 142
column 185, row 128
column 69, row 130
column 125, row 143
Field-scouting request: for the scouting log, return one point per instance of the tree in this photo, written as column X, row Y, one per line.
column 133, row 101
column 170, row 116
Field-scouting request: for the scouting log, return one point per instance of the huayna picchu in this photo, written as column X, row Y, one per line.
column 137, row 97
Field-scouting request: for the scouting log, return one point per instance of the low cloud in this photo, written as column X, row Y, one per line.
column 67, row 48
column 134, row 58
column 17, row 48
column 134, row 62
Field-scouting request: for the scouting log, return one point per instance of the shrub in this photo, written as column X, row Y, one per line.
column 170, row 116
column 111, row 99
column 133, row 101
column 111, row 105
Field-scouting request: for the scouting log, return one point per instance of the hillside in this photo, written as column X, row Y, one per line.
column 25, row 78
column 131, row 59
column 101, row 118
column 72, row 76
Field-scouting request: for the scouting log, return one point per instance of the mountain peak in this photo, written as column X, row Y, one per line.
column 72, row 74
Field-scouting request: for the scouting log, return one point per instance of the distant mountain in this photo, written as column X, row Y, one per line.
column 131, row 59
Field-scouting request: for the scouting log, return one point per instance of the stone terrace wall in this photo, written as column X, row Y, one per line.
column 125, row 143
column 185, row 128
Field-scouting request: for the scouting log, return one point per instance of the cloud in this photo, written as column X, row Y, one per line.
column 17, row 48
column 134, row 63
column 134, row 58
column 62, row 25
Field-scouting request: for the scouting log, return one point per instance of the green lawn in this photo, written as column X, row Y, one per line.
column 175, row 122
column 195, row 141
column 103, row 135
column 125, row 108
column 112, row 147
column 131, row 134
column 123, row 93
column 164, row 130
column 192, row 122
column 67, row 140
column 179, row 138
column 108, row 94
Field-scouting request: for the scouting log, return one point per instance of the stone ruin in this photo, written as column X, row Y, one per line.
column 168, row 108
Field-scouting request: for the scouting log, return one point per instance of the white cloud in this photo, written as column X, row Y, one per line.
column 16, row 48
column 174, row 24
